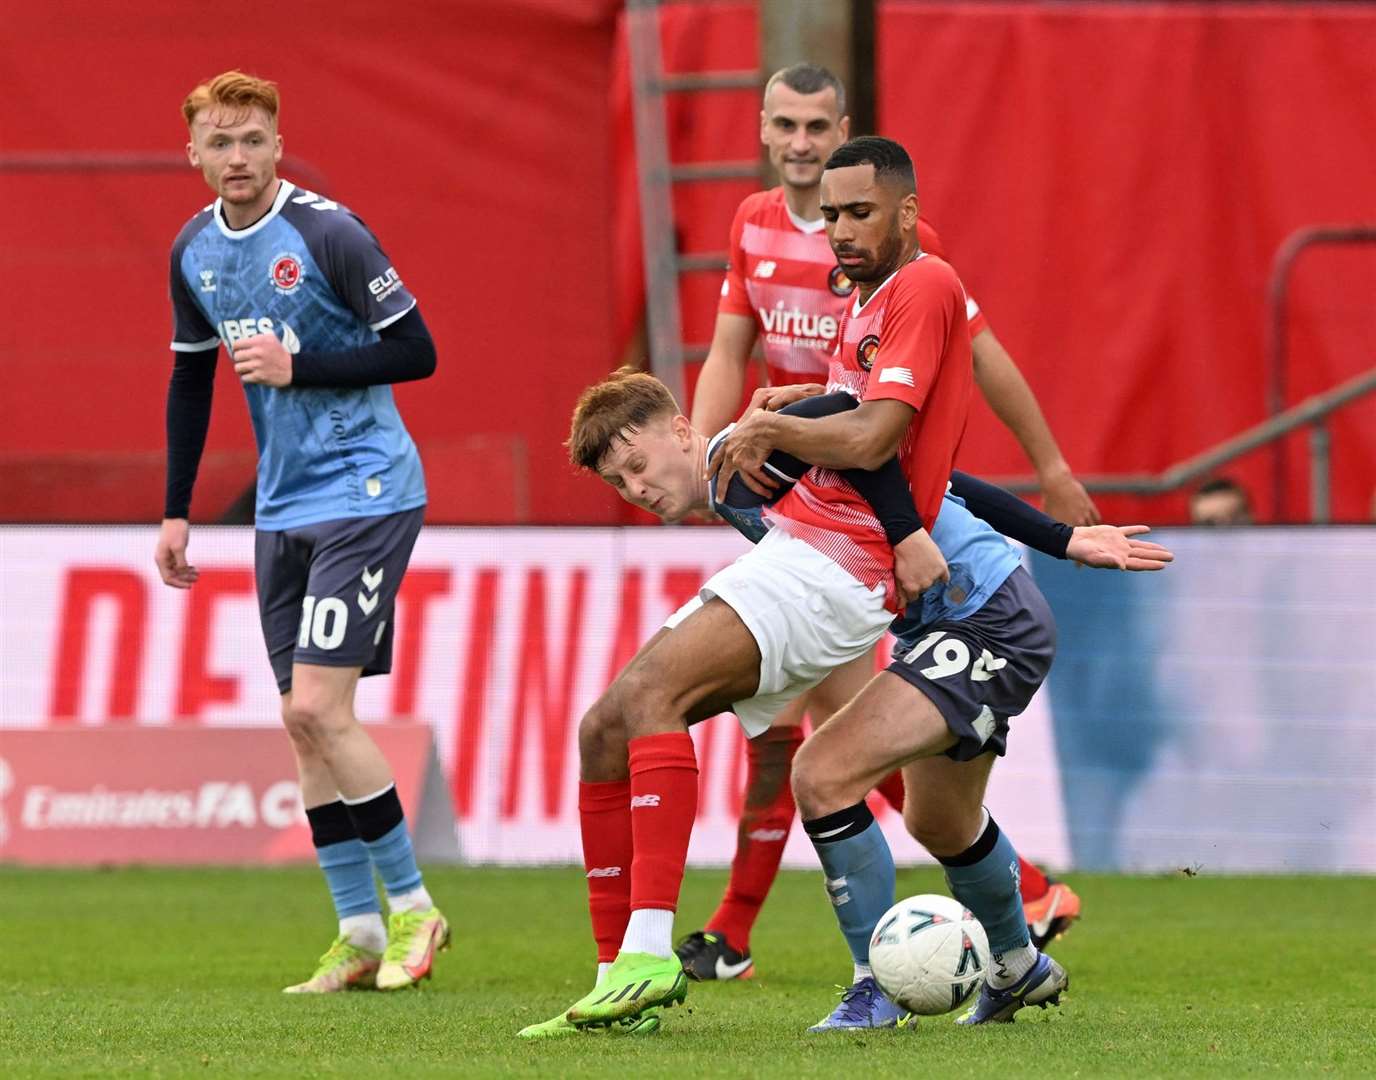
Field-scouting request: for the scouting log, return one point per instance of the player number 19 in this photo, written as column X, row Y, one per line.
column 323, row 623
column 952, row 656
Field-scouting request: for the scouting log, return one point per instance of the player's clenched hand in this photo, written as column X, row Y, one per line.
column 917, row 565
column 744, row 451
column 1116, row 547
column 774, row 398
column 263, row 359
column 170, row 554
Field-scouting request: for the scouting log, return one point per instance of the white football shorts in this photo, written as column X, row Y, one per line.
column 806, row 614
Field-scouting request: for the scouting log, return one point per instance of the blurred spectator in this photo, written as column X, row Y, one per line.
column 1221, row 501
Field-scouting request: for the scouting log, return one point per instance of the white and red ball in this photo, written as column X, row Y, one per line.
column 929, row 954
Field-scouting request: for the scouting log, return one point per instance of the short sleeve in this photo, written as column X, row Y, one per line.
column 734, row 299
column 361, row 274
column 926, row 302
column 191, row 330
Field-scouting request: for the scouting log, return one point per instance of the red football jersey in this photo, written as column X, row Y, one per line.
column 784, row 275
column 909, row 342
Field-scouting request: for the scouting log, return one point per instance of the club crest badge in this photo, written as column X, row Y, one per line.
column 286, row 272
column 866, row 351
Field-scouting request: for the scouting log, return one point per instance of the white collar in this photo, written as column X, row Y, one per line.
column 803, row 225
column 284, row 190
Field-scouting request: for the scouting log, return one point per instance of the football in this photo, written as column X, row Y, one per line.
column 929, row 954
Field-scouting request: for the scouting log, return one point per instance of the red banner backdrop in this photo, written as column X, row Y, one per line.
column 472, row 137
column 1112, row 181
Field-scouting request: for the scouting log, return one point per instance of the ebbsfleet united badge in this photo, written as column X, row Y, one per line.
column 867, row 350
column 838, row 283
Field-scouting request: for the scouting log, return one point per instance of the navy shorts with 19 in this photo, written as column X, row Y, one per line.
column 327, row 591
column 980, row 670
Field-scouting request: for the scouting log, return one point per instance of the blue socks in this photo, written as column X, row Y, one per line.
column 381, row 826
column 859, row 870
column 344, row 859
column 984, row 877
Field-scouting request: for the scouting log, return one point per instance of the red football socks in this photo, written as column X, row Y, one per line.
column 763, row 832
column 1032, row 883
column 664, row 801
column 891, row 787
column 604, row 814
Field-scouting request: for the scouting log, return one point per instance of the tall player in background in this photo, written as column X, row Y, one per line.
column 784, row 286
column 318, row 324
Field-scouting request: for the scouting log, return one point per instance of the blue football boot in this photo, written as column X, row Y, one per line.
column 862, row 1006
column 1042, row 986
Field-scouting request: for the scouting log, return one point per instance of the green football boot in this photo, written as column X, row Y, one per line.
column 634, row 984
column 413, row 939
column 344, row 966
column 647, row 1023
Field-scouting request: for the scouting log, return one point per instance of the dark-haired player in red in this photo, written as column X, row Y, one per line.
column 785, row 290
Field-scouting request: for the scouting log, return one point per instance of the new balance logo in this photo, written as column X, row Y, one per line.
column 896, row 374
column 638, row 801
column 765, row 268
column 604, row 871
column 767, row 835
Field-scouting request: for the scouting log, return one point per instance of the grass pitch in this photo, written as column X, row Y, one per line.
column 178, row 972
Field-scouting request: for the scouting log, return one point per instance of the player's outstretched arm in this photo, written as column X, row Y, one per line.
column 1013, row 401
column 1117, row 547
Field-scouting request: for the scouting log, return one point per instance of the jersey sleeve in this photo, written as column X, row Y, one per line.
column 734, row 299
column 191, row 330
column 925, row 303
column 361, row 274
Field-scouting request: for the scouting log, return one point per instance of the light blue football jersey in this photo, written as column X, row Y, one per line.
column 979, row 558
column 310, row 272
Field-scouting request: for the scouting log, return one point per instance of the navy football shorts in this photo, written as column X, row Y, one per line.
column 326, row 592
column 982, row 669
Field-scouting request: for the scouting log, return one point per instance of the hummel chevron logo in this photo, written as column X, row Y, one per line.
column 368, row 602
column 638, row 801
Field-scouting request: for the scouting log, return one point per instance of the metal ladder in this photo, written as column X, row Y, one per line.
column 656, row 175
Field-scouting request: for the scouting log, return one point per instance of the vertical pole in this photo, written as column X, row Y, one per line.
column 656, row 197
column 838, row 34
column 1320, row 443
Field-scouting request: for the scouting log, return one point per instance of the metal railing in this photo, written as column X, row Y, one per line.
column 1312, row 412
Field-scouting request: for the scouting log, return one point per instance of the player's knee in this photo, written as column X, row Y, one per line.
column 643, row 697
column 814, row 792
column 601, row 734
column 313, row 721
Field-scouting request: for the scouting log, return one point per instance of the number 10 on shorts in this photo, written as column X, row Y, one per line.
column 322, row 624
column 951, row 656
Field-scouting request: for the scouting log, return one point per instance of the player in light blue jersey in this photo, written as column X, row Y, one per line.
column 318, row 324
column 629, row 430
